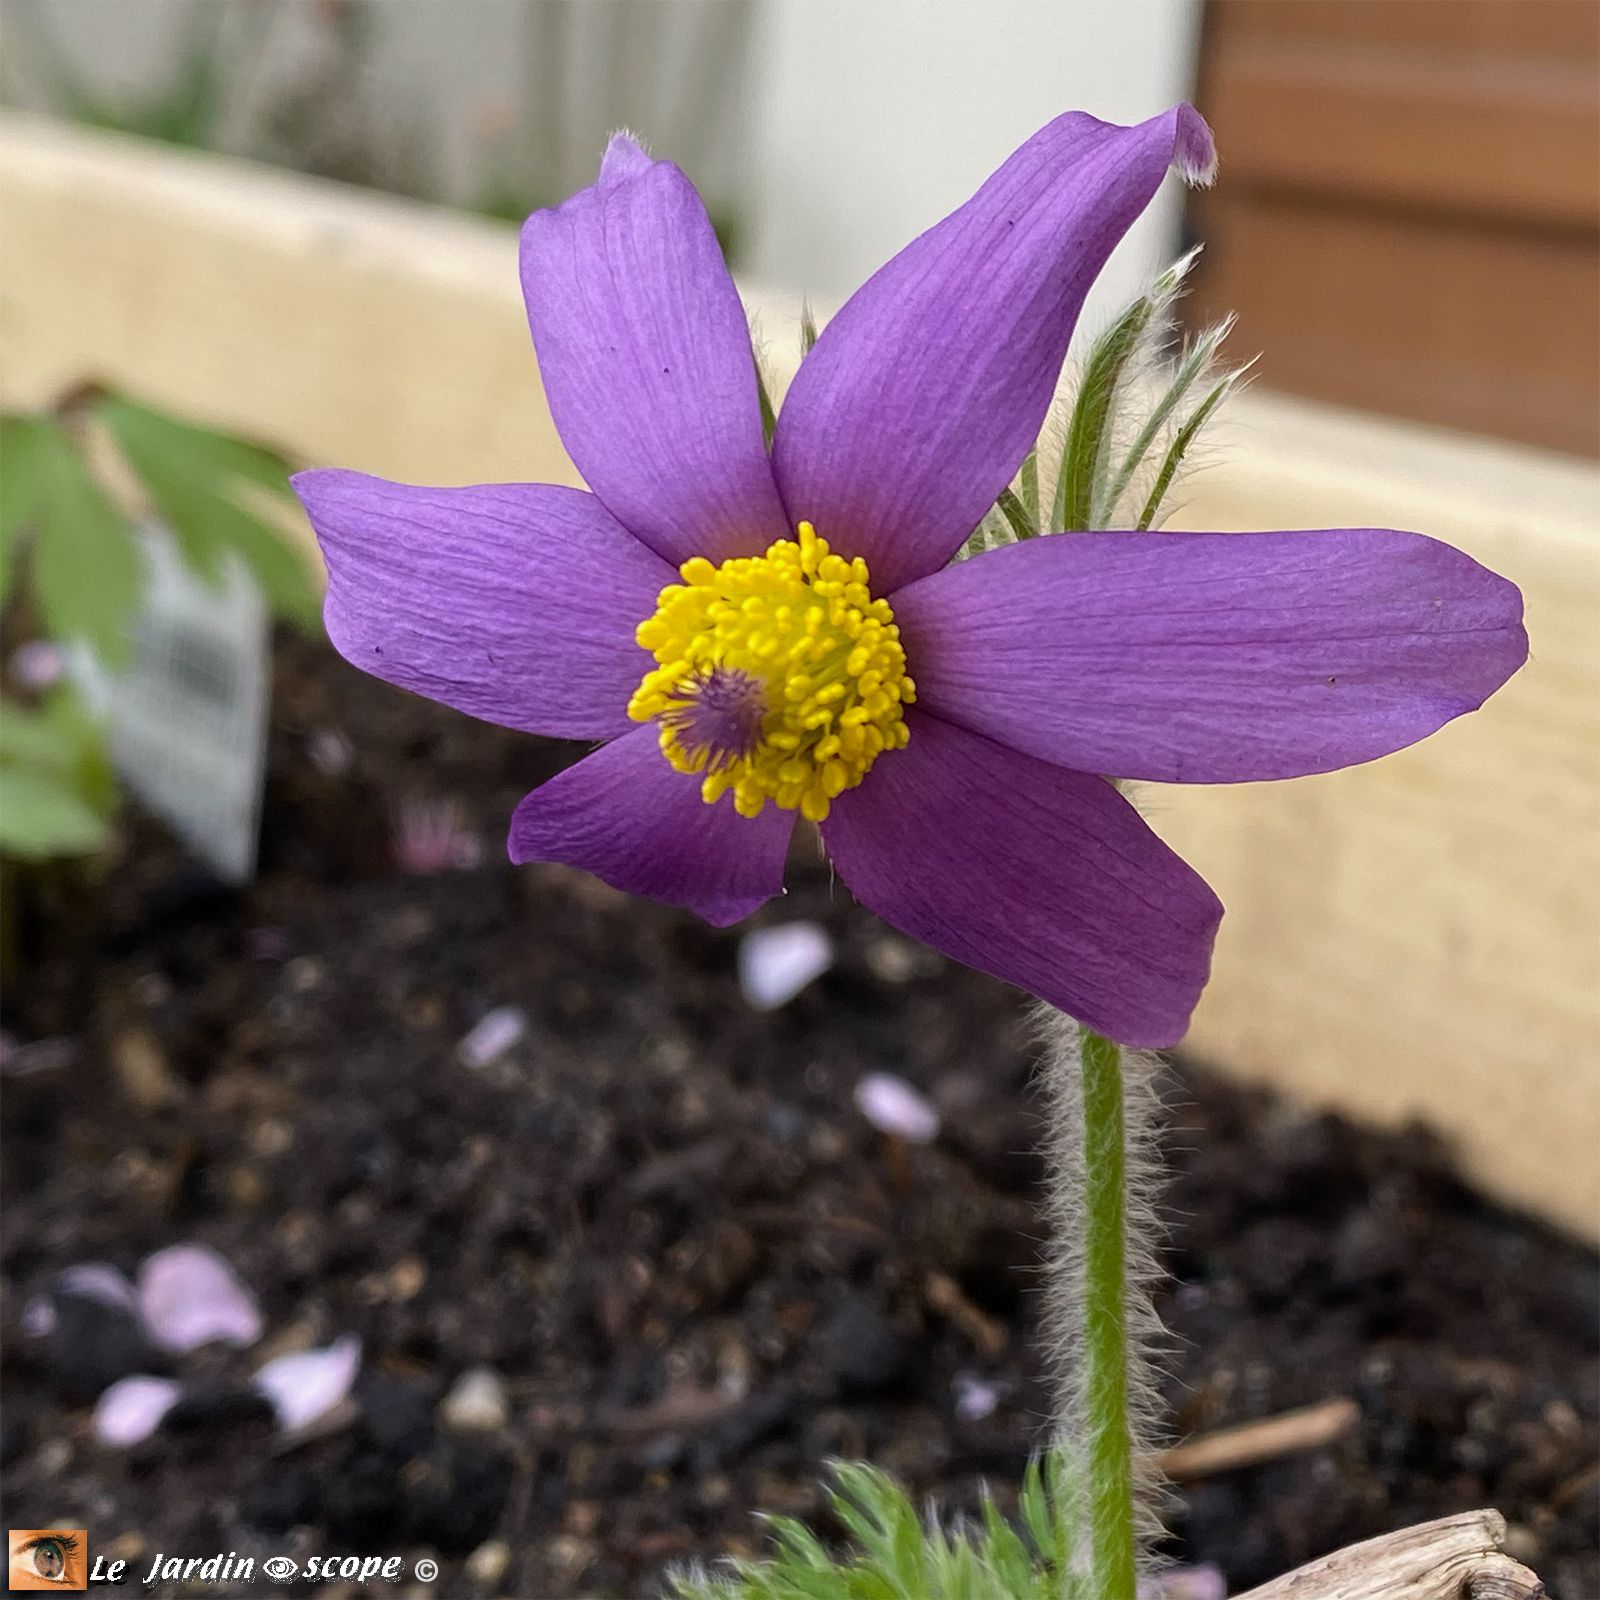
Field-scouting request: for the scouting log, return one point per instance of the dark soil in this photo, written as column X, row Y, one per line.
column 661, row 1219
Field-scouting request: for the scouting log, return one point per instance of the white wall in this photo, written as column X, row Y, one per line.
column 876, row 117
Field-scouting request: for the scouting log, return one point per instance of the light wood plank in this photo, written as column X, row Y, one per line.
column 340, row 324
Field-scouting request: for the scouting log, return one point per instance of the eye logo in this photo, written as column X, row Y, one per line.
column 48, row 1558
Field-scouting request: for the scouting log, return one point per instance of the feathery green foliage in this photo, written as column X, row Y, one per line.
column 808, row 329
column 1089, row 427
column 895, row 1555
column 769, row 415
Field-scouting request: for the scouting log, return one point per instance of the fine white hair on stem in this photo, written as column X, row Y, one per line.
column 1060, row 1070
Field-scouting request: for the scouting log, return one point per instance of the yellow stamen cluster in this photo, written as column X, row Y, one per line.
column 779, row 676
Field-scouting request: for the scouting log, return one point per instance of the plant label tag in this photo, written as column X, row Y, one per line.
column 187, row 720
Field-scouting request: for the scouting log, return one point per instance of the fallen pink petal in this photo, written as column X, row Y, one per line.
column 189, row 1297
column 776, row 964
column 492, row 1035
column 36, row 1056
column 100, row 1281
column 95, row 1280
column 976, row 1398
column 1185, row 1583
column 431, row 836
column 331, row 752
column 132, row 1409
column 897, row 1108
column 306, row 1385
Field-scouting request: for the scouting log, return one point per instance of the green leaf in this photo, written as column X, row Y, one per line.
column 769, row 417
column 193, row 478
column 1088, row 429
column 808, row 329
column 1085, row 460
column 797, row 1544
column 42, row 817
column 61, row 738
column 33, row 739
column 1029, row 480
column 277, row 565
column 231, row 458
column 1197, row 359
column 185, row 501
column 1042, row 1503
column 1007, row 1554
column 87, row 569
column 1179, row 448
column 1016, row 515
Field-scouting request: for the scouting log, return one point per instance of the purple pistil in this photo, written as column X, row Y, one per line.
column 721, row 715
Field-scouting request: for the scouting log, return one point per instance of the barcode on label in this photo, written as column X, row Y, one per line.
column 195, row 666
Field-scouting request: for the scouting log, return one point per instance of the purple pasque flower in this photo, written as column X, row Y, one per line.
column 758, row 634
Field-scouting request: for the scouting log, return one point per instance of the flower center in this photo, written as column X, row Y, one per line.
column 778, row 676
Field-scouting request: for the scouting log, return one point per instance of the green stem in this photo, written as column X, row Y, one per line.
column 1107, row 1436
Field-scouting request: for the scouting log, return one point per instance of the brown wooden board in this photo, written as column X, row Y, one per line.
column 1410, row 217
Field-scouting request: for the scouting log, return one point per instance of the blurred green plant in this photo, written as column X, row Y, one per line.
column 58, row 794
column 72, row 573
column 227, row 85
column 185, row 108
column 894, row 1555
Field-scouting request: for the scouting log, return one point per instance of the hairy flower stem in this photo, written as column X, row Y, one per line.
column 1100, row 1324
column 1107, row 1430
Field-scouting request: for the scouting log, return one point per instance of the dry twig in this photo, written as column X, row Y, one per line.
column 1251, row 1442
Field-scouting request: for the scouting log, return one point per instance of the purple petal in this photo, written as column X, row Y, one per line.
column 1044, row 877
column 131, row 1410
column 639, row 824
column 926, row 391
column 1212, row 657
column 645, row 354
column 189, row 1296
column 514, row 602
column 308, row 1384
